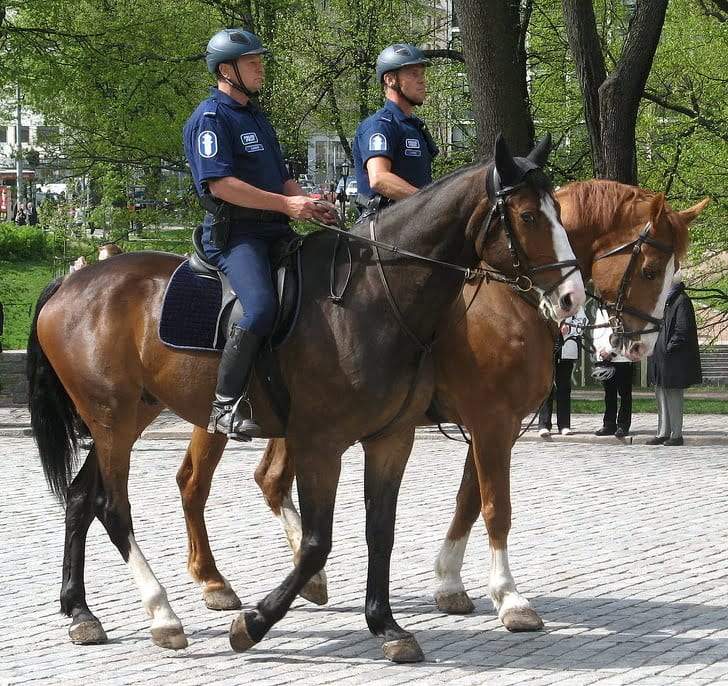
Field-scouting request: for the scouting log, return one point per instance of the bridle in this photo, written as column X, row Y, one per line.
column 523, row 281
column 619, row 307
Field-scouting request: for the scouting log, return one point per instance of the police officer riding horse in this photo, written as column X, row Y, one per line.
column 243, row 184
column 393, row 150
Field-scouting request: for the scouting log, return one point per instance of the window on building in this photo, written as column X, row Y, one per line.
column 25, row 134
column 3, row 134
column 46, row 134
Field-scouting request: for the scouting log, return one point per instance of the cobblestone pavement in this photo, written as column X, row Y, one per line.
column 623, row 551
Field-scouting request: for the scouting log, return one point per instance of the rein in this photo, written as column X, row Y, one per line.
column 619, row 307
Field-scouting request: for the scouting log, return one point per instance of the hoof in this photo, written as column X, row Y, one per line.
column 240, row 640
column 522, row 619
column 169, row 637
column 403, row 650
column 221, row 599
column 87, row 632
column 315, row 590
column 454, row 603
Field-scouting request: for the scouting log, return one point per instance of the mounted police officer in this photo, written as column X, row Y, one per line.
column 241, row 179
column 393, row 150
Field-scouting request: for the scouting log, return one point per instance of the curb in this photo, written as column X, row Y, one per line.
column 24, row 431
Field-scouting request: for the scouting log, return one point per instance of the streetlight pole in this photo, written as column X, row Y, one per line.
column 345, row 177
column 19, row 151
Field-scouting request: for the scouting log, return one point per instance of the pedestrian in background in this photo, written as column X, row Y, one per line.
column 615, row 371
column 565, row 357
column 674, row 364
column 31, row 213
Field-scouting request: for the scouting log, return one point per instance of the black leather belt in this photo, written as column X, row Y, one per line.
column 263, row 216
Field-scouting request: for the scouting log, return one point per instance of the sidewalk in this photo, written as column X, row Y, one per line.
column 700, row 429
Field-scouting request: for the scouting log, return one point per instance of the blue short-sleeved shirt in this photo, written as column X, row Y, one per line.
column 224, row 138
column 403, row 139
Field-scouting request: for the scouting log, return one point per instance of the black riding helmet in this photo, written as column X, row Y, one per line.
column 399, row 55
column 226, row 46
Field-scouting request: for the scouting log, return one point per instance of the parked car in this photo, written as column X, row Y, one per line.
column 351, row 189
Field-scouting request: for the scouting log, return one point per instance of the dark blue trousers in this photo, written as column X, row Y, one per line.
column 246, row 262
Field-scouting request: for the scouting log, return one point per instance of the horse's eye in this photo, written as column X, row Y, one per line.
column 649, row 274
column 528, row 217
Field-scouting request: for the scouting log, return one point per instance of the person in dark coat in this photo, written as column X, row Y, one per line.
column 674, row 364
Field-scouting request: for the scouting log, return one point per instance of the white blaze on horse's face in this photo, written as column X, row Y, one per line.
column 641, row 348
column 565, row 300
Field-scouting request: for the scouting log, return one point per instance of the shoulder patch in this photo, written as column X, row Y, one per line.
column 377, row 142
column 207, row 144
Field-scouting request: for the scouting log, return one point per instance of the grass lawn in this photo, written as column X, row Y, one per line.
column 20, row 285
column 650, row 405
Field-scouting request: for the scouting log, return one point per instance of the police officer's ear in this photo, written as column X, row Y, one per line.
column 389, row 80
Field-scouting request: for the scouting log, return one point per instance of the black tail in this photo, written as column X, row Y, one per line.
column 52, row 414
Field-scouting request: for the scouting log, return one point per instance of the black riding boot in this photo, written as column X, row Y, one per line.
column 231, row 393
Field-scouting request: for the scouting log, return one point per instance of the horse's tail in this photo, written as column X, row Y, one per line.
column 53, row 415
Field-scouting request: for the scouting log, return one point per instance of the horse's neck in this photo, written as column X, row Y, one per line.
column 433, row 223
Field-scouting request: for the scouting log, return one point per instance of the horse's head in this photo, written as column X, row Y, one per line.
column 524, row 237
column 634, row 270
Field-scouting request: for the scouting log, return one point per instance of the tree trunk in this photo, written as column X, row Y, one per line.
column 491, row 33
column 611, row 102
column 581, row 29
column 621, row 92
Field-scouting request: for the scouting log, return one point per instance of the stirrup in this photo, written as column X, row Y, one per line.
column 228, row 422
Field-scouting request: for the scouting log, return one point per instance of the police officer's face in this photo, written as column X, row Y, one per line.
column 252, row 71
column 412, row 82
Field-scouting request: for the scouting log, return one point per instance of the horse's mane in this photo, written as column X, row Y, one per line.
column 600, row 199
column 537, row 179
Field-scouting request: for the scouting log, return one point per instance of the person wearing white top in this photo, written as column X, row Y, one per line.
column 616, row 374
column 564, row 359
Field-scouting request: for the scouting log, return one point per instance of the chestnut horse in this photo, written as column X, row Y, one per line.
column 95, row 358
column 497, row 368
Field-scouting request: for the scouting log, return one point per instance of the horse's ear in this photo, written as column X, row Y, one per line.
column 657, row 206
column 509, row 173
column 540, row 154
column 691, row 213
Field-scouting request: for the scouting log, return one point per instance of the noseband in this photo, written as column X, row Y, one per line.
column 524, row 271
column 619, row 307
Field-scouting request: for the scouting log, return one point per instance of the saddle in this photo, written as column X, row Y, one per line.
column 286, row 275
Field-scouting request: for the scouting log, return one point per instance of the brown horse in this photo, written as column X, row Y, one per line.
column 95, row 358
column 497, row 367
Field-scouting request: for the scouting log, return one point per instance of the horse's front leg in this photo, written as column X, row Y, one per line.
column 318, row 466
column 385, row 460
column 194, row 479
column 486, row 486
column 492, row 455
column 274, row 476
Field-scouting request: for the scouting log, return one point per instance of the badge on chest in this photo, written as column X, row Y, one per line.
column 250, row 142
column 412, row 147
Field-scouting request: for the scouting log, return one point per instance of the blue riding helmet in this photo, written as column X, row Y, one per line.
column 229, row 44
column 399, row 55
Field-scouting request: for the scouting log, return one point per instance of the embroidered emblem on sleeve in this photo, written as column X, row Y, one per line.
column 377, row 142
column 207, row 144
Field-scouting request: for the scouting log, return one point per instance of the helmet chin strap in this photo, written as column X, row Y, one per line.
column 397, row 88
column 240, row 85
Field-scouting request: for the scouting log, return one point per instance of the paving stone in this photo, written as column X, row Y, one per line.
column 621, row 550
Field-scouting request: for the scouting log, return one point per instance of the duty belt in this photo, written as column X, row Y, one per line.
column 263, row 216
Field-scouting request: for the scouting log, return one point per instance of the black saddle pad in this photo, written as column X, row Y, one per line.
column 190, row 311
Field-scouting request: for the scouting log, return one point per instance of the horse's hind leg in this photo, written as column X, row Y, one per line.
column 83, row 495
column 84, row 501
column 194, row 479
column 317, row 477
column 113, row 440
column 450, row 595
column 385, row 460
column 274, row 476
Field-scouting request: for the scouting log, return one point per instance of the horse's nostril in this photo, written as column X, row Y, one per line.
column 566, row 301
